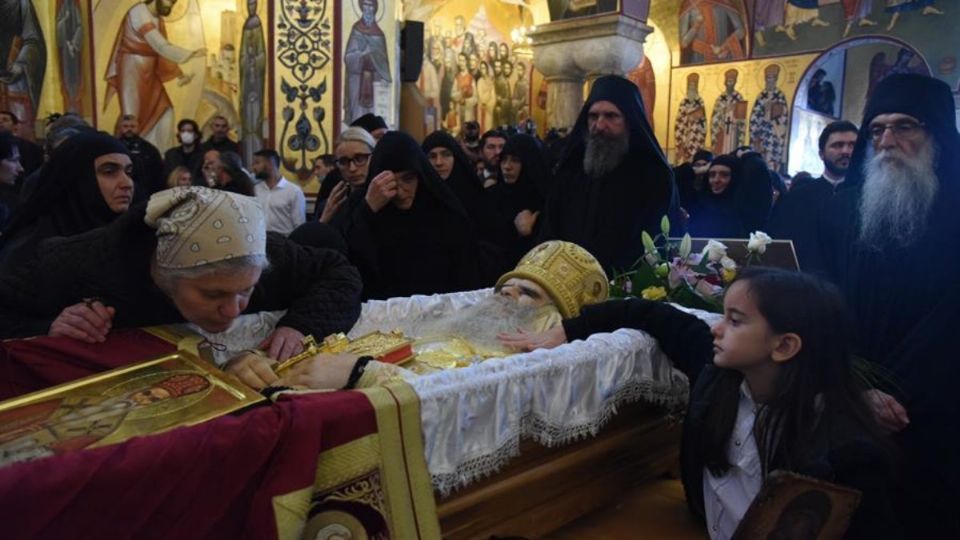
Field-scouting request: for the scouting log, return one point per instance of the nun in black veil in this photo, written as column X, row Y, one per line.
column 86, row 184
column 455, row 169
column 516, row 200
column 408, row 233
column 736, row 201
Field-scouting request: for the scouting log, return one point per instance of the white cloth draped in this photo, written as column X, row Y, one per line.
column 473, row 418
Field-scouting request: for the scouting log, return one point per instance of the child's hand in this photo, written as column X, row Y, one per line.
column 889, row 412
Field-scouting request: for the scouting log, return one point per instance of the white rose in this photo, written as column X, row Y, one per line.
column 714, row 251
column 758, row 242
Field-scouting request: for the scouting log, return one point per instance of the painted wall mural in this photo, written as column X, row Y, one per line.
column 71, row 38
column 830, row 91
column 472, row 70
column 23, row 61
column 785, row 27
column 174, row 59
column 736, row 104
column 370, row 75
column 303, row 83
column 712, row 31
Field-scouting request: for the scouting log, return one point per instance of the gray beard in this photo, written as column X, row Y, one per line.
column 604, row 154
column 898, row 193
column 481, row 322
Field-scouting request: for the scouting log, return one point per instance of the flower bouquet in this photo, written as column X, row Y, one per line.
column 668, row 271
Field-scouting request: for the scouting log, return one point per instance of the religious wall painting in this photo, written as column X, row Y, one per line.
column 715, row 106
column 837, row 85
column 770, row 119
column 111, row 407
column 303, row 80
column 728, row 121
column 23, row 62
column 656, row 53
column 370, row 78
column 168, row 60
column 252, row 82
column 645, row 79
column 473, row 70
column 712, row 31
column 691, row 121
column 882, row 66
column 71, row 38
column 784, row 27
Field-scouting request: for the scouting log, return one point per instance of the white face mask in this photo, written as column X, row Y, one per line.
column 187, row 137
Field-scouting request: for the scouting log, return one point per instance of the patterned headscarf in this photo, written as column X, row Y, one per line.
column 198, row 226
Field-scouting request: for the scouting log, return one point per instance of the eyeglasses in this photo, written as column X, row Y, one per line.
column 902, row 129
column 358, row 160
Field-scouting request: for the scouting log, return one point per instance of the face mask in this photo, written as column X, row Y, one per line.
column 187, row 137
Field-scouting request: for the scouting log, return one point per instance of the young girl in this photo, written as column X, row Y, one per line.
column 772, row 388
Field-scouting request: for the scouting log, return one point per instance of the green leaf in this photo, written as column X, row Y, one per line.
column 687, row 297
column 644, row 277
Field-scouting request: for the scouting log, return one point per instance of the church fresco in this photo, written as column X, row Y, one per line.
column 712, row 31
column 472, row 69
column 837, row 85
column 785, row 27
column 174, row 59
column 370, row 68
column 303, row 83
column 23, row 61
column 734, row 104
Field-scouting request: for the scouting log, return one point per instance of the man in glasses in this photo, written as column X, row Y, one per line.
column 889, row 240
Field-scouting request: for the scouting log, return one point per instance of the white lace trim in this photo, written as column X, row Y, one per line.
column 474, row 418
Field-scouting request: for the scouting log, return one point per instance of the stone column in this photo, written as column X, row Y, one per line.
column 568, row 53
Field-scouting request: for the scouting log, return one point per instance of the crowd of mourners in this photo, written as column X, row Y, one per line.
column 90, row 241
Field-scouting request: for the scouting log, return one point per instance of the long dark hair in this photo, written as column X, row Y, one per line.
column 815, row 390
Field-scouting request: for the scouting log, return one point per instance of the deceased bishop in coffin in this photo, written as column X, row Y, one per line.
column 550, row 283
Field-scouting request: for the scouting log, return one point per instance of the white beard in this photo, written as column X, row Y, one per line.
column 898, row 193
column 481, row 322
column 604, row 154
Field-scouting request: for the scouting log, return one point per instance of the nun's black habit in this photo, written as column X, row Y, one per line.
column 606, row 215
column 67, row 200
column 730, row 214
column 427, row 249
column 463, row 180
column 796, row 215
column 906, row 304
column 507, row 200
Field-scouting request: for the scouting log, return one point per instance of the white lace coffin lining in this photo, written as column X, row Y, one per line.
column 473, row 418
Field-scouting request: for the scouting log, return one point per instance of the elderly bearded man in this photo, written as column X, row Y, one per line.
column 613, row 181
column 552, row 282
column 889, row 240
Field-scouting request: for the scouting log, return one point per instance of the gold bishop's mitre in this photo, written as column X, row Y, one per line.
column 570, row 274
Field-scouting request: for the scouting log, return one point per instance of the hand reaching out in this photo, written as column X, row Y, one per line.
column 283, row 343
column 529, row 341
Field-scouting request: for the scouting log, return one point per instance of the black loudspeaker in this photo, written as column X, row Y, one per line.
column 411, row 51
